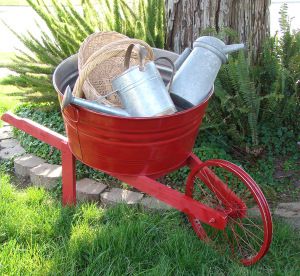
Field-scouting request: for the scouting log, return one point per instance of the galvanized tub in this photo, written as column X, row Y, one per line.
column 130, row 146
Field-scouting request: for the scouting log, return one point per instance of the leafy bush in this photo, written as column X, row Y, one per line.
column 46, row 116
column 207, row 150
column 69, row 26
column 254, row 103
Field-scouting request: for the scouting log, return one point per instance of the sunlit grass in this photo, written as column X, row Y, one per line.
column 12, row 96
column 40, row 237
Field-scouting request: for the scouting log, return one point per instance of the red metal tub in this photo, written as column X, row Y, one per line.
column 130, row 146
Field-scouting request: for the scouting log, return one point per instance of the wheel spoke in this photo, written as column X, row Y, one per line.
column 236, row 239
column 247, row 232
column 247, row 243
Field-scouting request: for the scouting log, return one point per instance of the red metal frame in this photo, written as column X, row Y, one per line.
column 145, row 184
column 237, row 208
column 219, row 188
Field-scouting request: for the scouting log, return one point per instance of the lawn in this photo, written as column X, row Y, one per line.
column 40, row 237
column 12, row 96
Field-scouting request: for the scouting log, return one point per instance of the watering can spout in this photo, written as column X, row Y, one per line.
column 232, row 48
column 68, row 99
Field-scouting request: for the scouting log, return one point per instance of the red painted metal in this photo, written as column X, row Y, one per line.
column 132, row 146
column 68, row 176
column 139, row 150
column 38, row 131
column 201, row 170
column 236, row 213
column 221, row 190
column 169, row 196
column 180, row 201
column 56, row 140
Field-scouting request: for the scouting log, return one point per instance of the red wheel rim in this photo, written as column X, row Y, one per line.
column 248, row 232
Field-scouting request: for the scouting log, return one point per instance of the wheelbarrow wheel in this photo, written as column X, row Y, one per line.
column 228, row 188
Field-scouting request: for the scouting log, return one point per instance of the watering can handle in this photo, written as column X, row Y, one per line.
column 173, row 70
column 142, row 56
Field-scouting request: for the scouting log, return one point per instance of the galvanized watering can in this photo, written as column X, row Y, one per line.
column 195, row 78
column 141, row 88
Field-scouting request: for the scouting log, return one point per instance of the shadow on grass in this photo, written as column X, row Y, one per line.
column 22, row 94
column 44, row 238
column 29, row 97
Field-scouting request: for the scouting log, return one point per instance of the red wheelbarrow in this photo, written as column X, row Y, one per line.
column 223, row 203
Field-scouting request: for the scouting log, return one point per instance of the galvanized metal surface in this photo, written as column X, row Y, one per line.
column 183, row 56
column 195, row 78
column 68, row 99
column 142, row 90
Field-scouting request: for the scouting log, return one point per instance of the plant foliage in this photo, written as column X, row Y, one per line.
column 68, row 26
column 253, row 103
column 255, row 107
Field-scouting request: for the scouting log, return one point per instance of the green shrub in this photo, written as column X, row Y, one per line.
column 253, row 104
column 205, row 151
column 69, row 26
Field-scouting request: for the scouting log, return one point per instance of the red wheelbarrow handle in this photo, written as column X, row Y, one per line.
column 55, row 140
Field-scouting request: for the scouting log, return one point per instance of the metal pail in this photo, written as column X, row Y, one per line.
column 141, row 88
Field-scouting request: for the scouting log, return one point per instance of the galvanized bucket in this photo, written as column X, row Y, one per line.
column 141, row 88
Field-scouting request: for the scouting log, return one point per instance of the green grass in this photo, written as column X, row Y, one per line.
column 40, row 237
column 5, row 57
column 12, row 96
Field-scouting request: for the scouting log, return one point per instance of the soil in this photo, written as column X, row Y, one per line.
column 289, row 176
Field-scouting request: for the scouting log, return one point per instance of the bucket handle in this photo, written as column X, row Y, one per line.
column 101, row 55
column 142, row 56
column 173, row 70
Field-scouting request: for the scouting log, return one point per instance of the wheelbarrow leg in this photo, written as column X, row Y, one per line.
column 68, row 176
column 55, row 140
